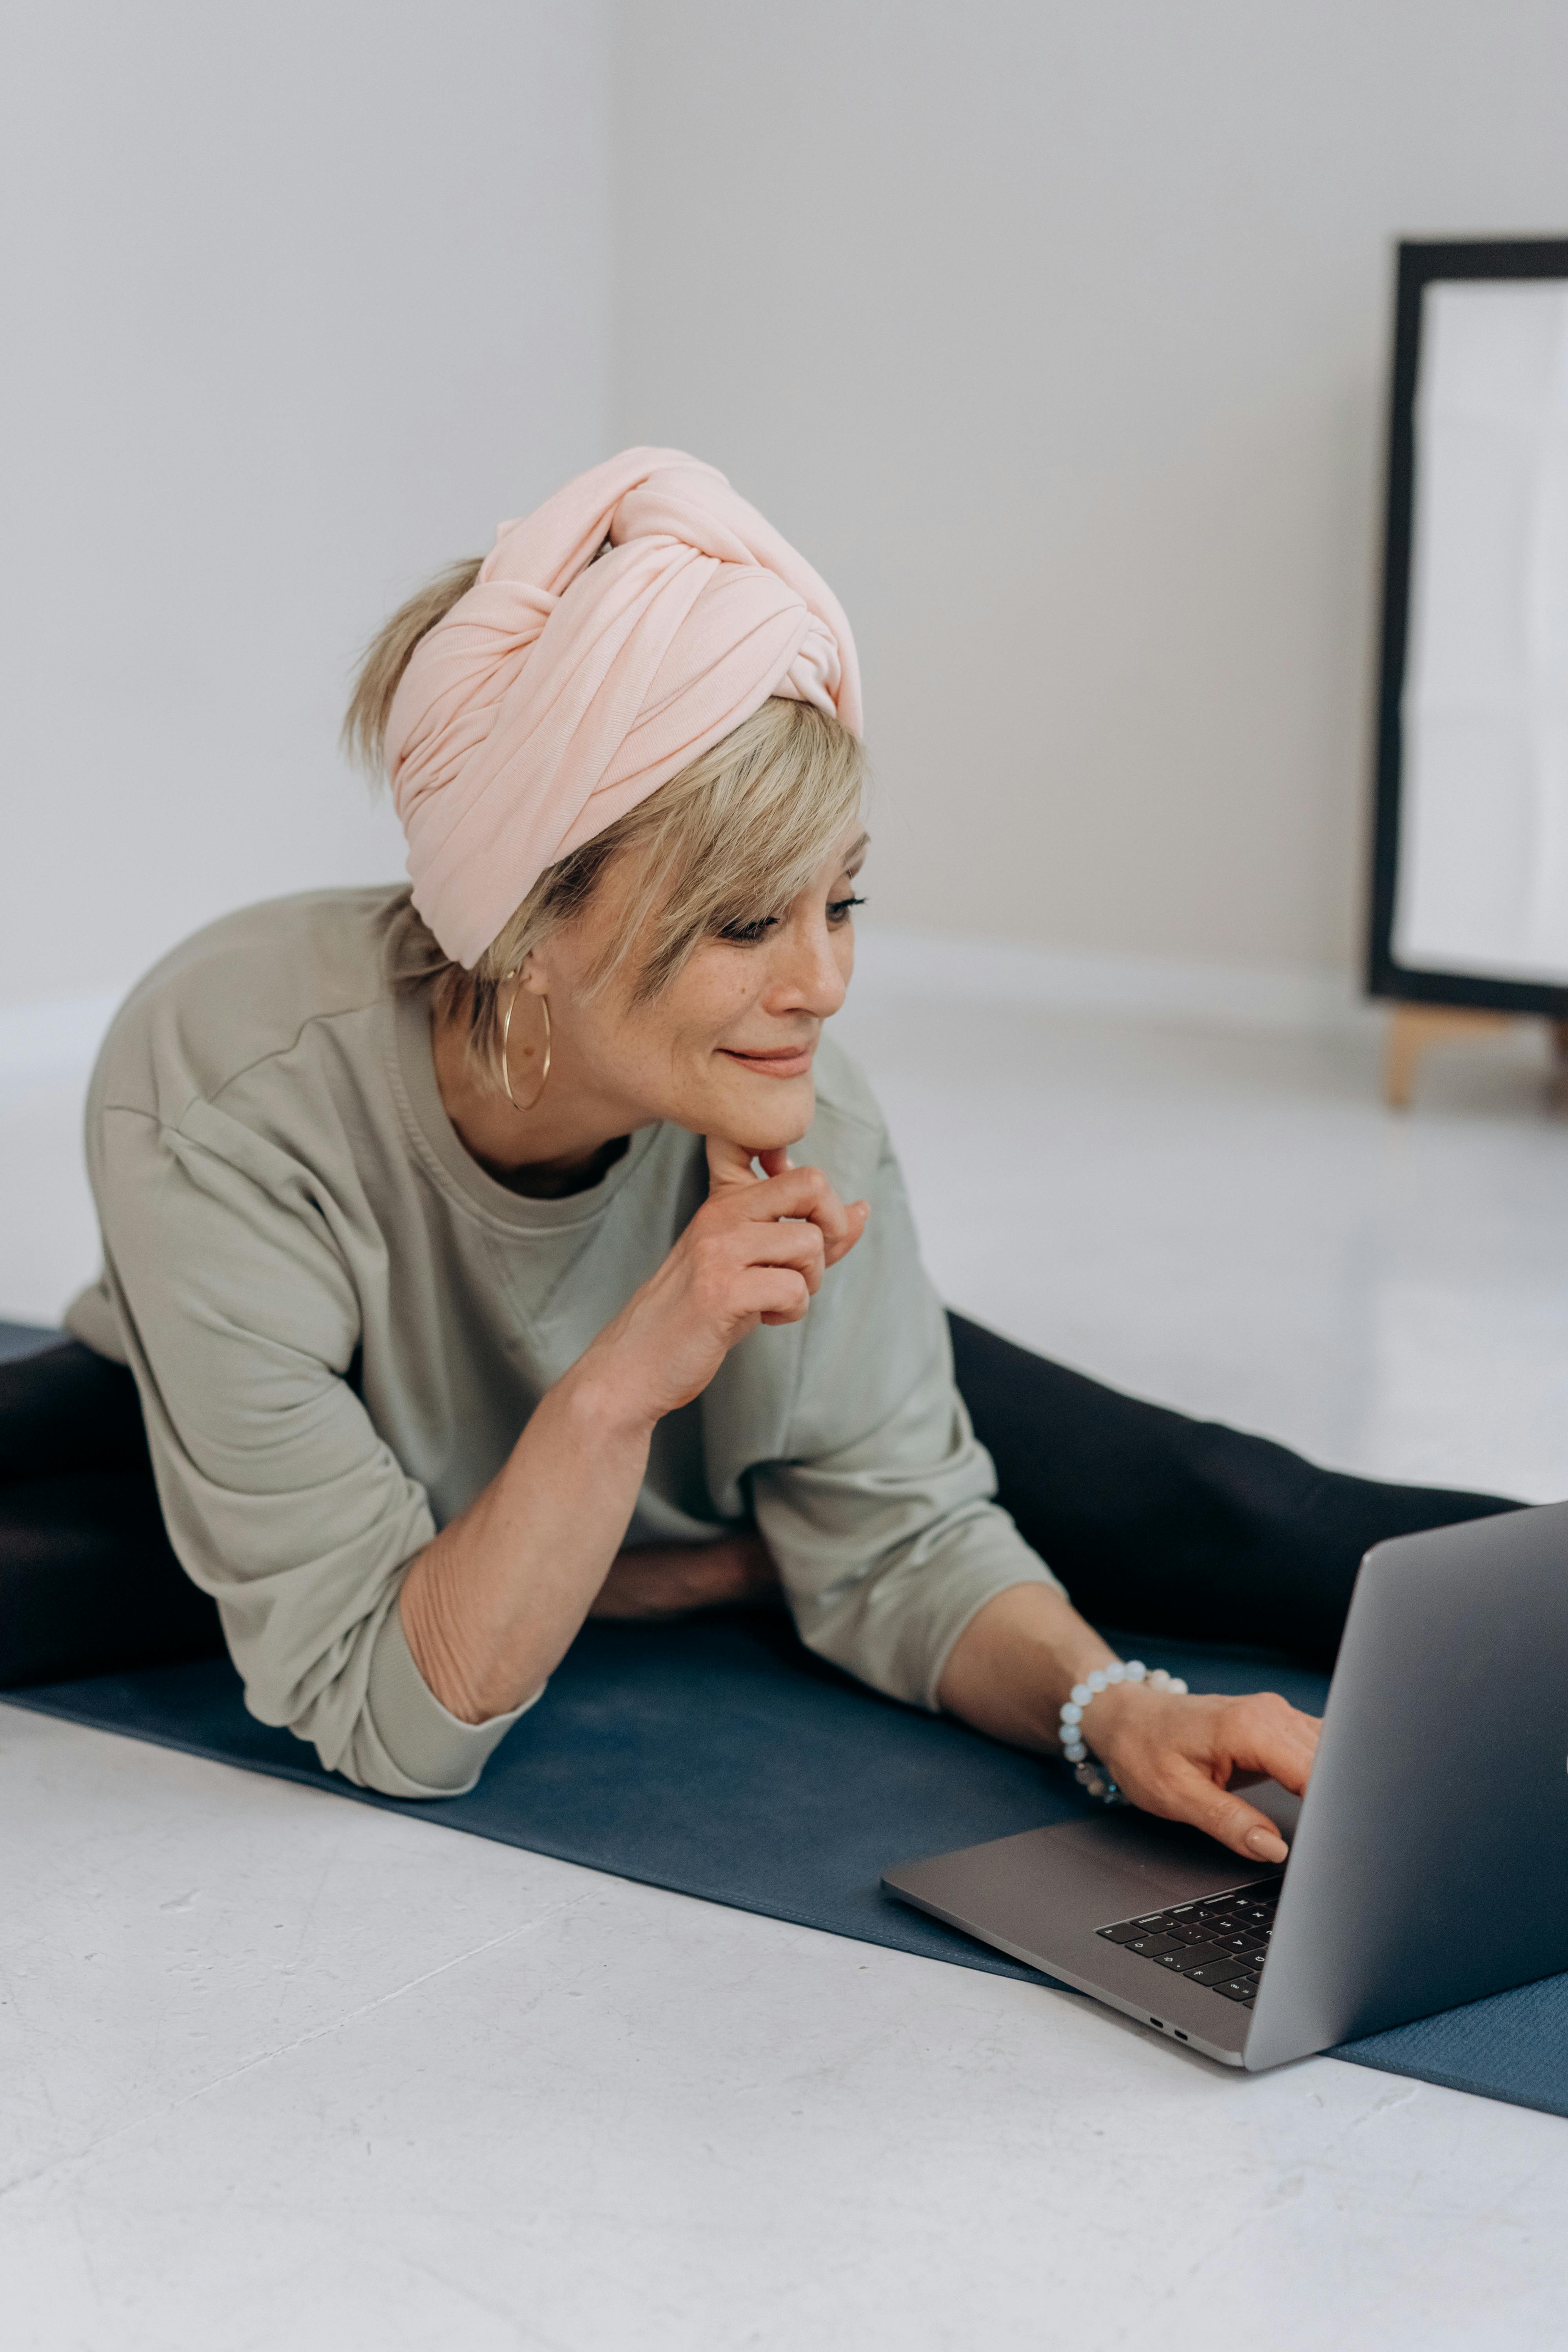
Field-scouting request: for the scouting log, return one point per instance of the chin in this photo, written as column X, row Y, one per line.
column 764, row 1114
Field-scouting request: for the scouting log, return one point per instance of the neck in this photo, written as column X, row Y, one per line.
column 563, row 1144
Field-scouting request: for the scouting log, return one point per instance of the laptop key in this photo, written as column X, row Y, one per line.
column 1238, row 1989
column 1121, row 1935
column 1240, row 1942
column 1215, row 1972
column 1153, row 1946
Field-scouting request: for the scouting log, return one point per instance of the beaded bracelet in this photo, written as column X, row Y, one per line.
column 1088, row 1770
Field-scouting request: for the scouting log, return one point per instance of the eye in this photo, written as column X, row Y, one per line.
column 840, row 909
column 747, row 935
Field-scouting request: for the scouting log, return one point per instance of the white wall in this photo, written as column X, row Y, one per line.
column 1056, row 334
column 301, row 299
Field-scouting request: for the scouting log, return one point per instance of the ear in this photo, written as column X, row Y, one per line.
column 536, row 976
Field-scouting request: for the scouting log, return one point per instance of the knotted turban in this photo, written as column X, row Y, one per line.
column 570, row 683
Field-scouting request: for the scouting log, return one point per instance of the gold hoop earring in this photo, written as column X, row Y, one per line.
column 506, row 1050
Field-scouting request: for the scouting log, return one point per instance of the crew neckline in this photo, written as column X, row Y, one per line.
column 413, row 1062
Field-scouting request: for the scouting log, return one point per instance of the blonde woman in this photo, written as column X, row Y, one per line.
column 485, row 1256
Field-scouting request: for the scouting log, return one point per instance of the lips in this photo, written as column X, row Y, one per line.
column 774, row 1061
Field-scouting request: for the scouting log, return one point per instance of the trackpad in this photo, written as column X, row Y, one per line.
column 1041, row 1891
column 1164, row 1860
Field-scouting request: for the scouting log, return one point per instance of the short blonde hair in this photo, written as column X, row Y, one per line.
column 732, row 839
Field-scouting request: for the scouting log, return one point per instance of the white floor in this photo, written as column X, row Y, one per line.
column 282, row 2072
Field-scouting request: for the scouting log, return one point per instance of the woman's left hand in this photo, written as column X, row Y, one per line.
column 1181, row 1756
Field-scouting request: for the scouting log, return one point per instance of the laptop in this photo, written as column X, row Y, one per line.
column 1429, row 1860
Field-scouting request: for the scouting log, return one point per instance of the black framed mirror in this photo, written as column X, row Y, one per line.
column 1469, row 896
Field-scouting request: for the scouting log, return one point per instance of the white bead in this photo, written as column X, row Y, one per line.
column 1159, row 1679
column 1177, row 1683
column 1081, row 1693
column 1076, row 1753
column 1117, row 1673
column 1072, row 1712
column 1097, row 1680
column 1136, row 1670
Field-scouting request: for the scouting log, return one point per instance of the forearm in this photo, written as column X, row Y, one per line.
column 1174, row 1754
column 1016, row 1662
column 490, row 1607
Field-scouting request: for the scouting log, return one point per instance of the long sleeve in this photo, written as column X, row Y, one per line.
column 338, row 1322
column 240, row 1323
column 879, row 1510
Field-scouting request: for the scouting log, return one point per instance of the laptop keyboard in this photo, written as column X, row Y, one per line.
column 1221, row 1942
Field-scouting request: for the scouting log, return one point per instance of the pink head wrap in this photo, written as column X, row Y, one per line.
column 560, row 691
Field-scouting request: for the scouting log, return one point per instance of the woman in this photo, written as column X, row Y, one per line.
column 519, row 1247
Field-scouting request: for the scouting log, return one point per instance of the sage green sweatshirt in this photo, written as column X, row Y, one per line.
column 339, row 1323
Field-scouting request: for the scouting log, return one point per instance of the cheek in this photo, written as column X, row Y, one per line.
column 673, row 1056
column 714, row 993
column 663, row 1054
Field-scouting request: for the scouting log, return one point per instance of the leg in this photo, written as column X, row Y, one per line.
column 88, row 1582
column 1412, row 1027
column 1166, row 1525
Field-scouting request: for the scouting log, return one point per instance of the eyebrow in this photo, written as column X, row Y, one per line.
column 853, row 858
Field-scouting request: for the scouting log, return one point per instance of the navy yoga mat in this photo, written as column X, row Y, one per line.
column 717, row 1758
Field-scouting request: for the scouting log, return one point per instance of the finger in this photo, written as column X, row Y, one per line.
column 774, row 1294
column 792, row 1243
column 803, row 1192
column 1190, row 1796
column 1264, row 1734
column 856, row 1214
column 785, row 1191
column 729, row 1165
column 725, row 1246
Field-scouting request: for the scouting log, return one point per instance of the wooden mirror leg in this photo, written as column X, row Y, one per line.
column 1405, row 1039
column 1412, row 1027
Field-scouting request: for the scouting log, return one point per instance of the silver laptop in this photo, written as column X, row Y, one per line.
column 1428, row 1859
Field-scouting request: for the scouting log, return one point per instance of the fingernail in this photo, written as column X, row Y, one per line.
column 1266, row 1845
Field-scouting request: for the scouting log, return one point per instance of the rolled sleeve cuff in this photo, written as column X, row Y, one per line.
column 432, row 1753
column 957, row 1606
column 896, row 1626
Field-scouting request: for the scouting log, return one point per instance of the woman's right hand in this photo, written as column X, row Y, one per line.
column 755, row 1252
column 1183, row 1757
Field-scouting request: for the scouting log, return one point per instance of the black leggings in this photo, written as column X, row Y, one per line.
column 1152, row 1521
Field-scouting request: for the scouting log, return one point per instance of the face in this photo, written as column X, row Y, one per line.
column 726, row 1049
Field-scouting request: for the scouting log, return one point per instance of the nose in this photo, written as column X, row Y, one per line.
column 810, row 976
